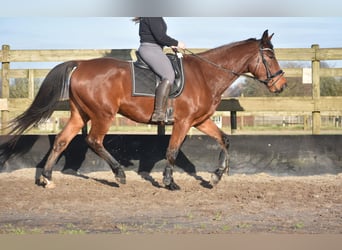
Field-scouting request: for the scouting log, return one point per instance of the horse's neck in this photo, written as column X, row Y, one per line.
column 227, row 63
column 233, row 57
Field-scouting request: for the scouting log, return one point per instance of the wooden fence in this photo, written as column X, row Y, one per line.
column 315, row 105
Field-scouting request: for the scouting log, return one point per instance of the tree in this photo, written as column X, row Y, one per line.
column 19, row 88
column 330, row 86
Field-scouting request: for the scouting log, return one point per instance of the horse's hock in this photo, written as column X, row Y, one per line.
column 278, row 155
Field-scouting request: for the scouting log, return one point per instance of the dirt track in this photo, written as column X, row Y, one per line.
column 95, row 203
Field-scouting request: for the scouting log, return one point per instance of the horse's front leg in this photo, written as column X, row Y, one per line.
column 211, row 129
column 168, row 180
column 223, row 162
column 179, row 132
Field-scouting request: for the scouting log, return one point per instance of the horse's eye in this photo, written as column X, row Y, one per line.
column 271, row 55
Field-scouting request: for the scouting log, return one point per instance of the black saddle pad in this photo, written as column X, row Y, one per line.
column 144, row 80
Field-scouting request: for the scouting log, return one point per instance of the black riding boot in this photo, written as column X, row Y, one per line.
column 162, row 94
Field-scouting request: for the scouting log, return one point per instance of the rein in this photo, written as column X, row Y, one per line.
column 269, row 75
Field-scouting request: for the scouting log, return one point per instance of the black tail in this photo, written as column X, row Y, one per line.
column 54, row 86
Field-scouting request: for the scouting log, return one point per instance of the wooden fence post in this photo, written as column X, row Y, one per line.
column 316, row 93
column 5, row 67
column 31, row 84
column 233, row 122
column 161, row 129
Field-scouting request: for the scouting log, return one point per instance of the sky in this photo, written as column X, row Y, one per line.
column 105, row 24
column 209, row 8
column 196, row 32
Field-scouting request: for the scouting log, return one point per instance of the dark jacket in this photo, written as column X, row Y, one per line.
column 153, row 30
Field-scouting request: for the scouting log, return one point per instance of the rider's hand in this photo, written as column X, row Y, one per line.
column 181, row 45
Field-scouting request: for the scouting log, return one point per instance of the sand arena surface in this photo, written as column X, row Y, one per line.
column 96, row 203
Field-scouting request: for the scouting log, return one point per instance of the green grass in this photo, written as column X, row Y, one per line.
column 71, row 229
column 299, row 225
column 218, row 216
column 11, row 229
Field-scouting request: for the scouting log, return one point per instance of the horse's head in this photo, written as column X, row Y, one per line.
column 266, row 67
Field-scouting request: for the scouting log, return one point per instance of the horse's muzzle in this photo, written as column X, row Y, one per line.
column 278, row 91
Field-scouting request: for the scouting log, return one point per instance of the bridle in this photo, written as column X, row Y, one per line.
column 269, row 78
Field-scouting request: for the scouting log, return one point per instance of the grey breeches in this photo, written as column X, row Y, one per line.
column 154, row 56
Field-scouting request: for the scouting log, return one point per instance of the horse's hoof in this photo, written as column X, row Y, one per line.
column 167, row 181
column 170, row 184
column 44, row 182
column 122, row 180
column 215, row 179
column 120, row 175
column 173, row 187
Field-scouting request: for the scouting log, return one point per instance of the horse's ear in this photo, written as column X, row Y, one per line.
column 265, row 37
column 270, row 37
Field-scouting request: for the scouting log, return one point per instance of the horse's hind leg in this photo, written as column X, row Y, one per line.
column 95, row 141
column 61, row 142
column 210, row 128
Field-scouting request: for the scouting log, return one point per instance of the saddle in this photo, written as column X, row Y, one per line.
column 145, row 80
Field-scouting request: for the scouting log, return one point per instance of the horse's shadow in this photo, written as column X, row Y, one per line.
column 150, row 152
column 141, row 152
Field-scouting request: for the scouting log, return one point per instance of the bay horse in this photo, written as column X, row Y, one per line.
column 100, row 88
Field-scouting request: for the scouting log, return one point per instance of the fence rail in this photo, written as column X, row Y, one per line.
column 316, row 104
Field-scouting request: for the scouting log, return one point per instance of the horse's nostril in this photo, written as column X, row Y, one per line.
column 282, row 88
